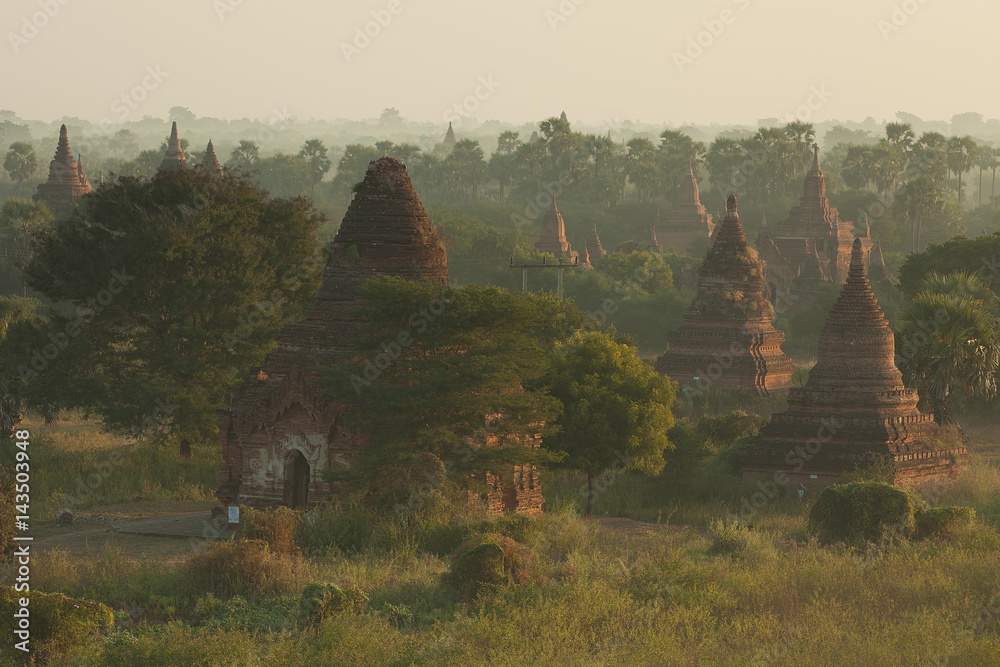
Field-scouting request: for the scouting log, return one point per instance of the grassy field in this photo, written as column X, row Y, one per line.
column 657, row 577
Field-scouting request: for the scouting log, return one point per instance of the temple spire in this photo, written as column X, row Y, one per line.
column 66, row 182
column 449, row 136
column 210, row 163
column 174, row 158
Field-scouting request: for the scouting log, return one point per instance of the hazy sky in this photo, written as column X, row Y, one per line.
column 606, row 61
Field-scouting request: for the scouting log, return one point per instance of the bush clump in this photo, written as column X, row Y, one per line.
column 490, row 560
column 241, row 567
column 59, row 624
column 943, row 522
column 6, row 515
column 862, row 512
column 321, row 601
column 277, row 527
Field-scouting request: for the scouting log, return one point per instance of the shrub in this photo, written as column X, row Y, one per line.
column 490, row 560
column 277, row 527
column 58, row 623
column 6, row 515
column 737, row 539
column 321, row 601
column 348, row 529
column 242, row 567
column 862, row 512
column 943, row 522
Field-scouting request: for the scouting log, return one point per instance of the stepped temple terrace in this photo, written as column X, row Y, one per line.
column 67, row 181
column 854, row 409
column 727, row 339
column 280, row 434
column 686, row 221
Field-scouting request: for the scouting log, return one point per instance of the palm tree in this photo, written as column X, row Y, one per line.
column 21, row 163
column 961, row 158
column 315, row 154
column 244, row 157
column 918, row 199
column 948, row 342
column 900, row 133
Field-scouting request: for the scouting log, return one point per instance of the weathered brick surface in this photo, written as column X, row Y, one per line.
column 553, row 237
column 727, row 339
column 854, row 409
column 66, row 183
column 687, row 220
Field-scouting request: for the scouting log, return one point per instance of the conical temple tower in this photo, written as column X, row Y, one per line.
column 174, row 158
column 813, row 226
column 727, row 339
column 553, row 238
column 594, row 247
column 686, row 221
column 877, row 272
column 210, row 163
column 66, row 183
column 449, row 136
column 854, row 408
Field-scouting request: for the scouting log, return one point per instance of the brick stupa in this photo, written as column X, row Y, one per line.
column 210, row 163
column 854, row 409
column 727, row 339
column 553, row 237
column 174, row 158
column 812, row 244
column 686, row 221
column 66, row 183
column 595, row 249
column 280, row 433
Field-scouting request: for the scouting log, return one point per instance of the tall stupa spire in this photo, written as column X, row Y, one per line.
column 174, row 158
column 66, row 183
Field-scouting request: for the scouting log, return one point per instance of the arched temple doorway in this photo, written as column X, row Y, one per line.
column 296, row 480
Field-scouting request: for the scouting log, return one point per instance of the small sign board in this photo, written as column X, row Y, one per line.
column 234, row 514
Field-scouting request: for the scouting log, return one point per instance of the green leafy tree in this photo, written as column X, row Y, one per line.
column 315, row 153
column 285, row 175
column 21, row 163
column 460, row 369
column 980, row 255
column 616, row 408
column 187, row 283
column 352, row 167
column 21, row 222
column 949, row 342
column 245, row 157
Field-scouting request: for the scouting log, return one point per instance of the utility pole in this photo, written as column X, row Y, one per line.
column 560, row 267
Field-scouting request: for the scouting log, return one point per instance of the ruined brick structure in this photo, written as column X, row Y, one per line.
column 67, row 181
column 595, row 250
column 877, row 273
column 686, row 221
column 174, row 158
column 812, row 245
column 553, row 237
column 449, row 137
column 854, row 407
column 280, row 433
column 210, row 163
column 727, row 339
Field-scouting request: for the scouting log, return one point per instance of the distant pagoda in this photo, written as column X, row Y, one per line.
column 66, row 183
column 686, row 221
column 595, row 249
column 173, row 159
column 813, row 232
column 877, row 272
column 210, row 163
column 553, row 237
column 449, row 136
column 727, row 339
column 854, row 409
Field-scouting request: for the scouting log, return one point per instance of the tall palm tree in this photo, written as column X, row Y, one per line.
column 315, row 153
column 961, row 158
column 948, row 342
column 21, row 163
column 21, row 221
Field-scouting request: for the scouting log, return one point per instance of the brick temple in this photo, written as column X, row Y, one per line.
column 727, row 339
column 553, row 237
column 67, row 182
column 280, row 433
column 812, row 246
column 595, row 250
column 854, row 408
column 174, row 158
column 686, row 221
